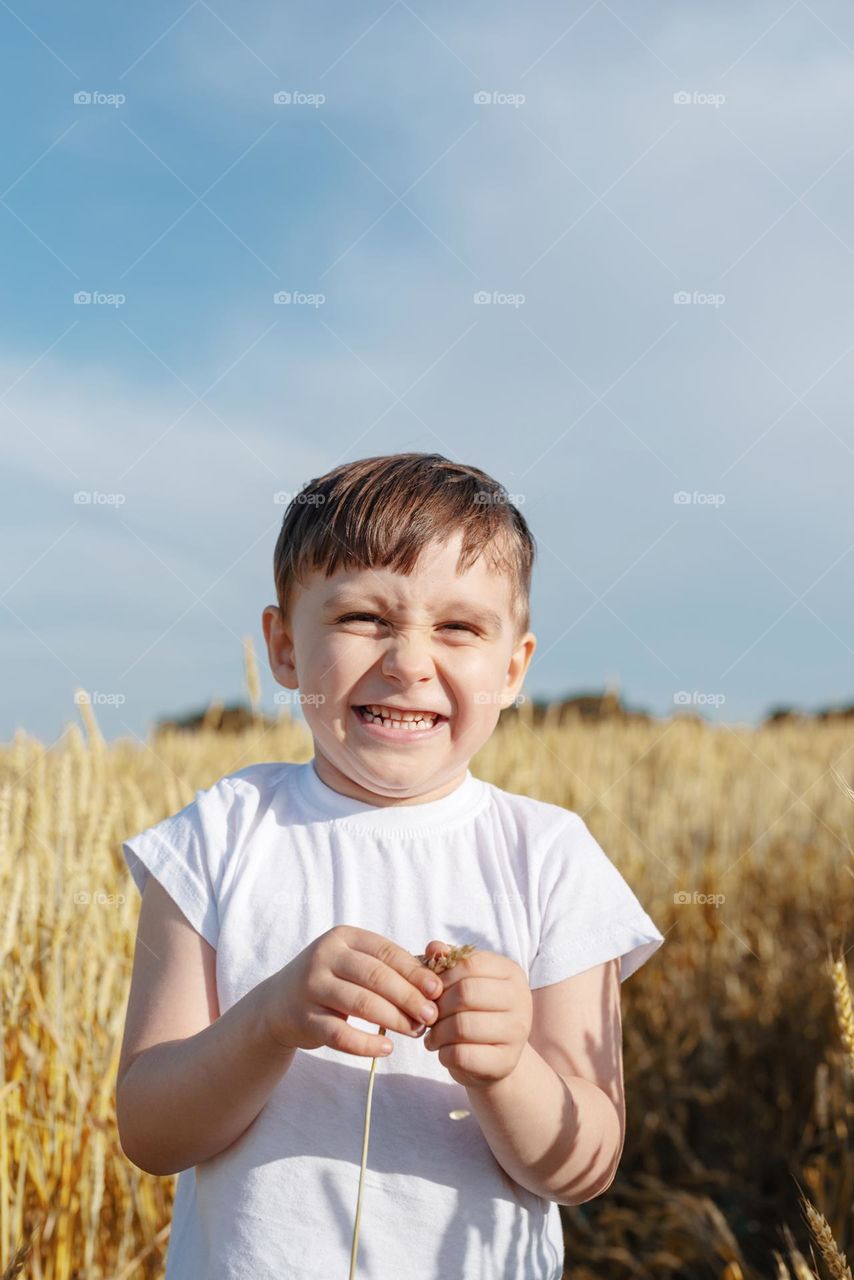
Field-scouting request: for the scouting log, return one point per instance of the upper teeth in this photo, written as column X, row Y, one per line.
column 392, row 713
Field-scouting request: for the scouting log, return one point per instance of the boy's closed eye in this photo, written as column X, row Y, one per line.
column 372, row 617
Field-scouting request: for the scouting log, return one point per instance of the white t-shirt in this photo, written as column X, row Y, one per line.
column 268, row 859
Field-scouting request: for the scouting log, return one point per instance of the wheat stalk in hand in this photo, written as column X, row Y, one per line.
column 438, row 963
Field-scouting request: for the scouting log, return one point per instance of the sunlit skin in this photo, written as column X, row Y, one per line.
column 423, row 646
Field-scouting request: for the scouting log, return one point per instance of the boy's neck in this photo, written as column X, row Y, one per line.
column 344, row 785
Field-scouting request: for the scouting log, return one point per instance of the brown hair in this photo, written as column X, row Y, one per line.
column 381, row 512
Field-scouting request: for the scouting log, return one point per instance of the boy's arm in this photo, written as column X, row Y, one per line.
column 556, row 1124
column 189, row 1081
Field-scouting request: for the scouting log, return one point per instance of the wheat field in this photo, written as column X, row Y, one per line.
column 738, row 1033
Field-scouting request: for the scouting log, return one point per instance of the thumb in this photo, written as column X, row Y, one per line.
column 436, row 948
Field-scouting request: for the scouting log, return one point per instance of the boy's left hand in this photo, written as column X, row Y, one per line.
column 485, row 1014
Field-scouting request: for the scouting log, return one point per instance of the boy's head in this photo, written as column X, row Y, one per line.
column 437, row 561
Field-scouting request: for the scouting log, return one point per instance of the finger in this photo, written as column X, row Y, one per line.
column 468, row 1027
column 371, row 969
column 338, row 1034
column 396, row 958
column 434, row 949
column 357, row 1000
column 481, row 964
column 474, row 992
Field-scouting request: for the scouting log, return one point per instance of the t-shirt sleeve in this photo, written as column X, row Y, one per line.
column 590, row 914
column 185, row 853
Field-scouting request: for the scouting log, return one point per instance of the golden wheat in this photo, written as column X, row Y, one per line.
column 16, row 1264
column 783, row 1272
column 726, row 1021
column 837, row 1265
column 844, row 1008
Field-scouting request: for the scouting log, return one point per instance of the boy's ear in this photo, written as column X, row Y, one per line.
column 520, row 660
column 280, row 647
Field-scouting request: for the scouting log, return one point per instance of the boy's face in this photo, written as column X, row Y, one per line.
column 425, row 644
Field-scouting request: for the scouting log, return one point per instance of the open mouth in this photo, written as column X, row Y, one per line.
column 416, row 724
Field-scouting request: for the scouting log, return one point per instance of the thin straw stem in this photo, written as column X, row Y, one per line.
column 355, row 1244
column 438, row 963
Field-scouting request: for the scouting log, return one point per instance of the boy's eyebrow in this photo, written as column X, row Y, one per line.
column 348, row 599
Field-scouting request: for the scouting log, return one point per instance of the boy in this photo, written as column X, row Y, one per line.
column 283, row 911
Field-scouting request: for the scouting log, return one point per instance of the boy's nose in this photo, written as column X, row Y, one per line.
column 407, row 657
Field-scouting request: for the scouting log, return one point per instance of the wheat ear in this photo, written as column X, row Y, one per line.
column 837, row 1264
column 438, row 963
column 16, row 1265
column 844, row 1007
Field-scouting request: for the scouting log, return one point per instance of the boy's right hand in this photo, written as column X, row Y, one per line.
column 349, row 972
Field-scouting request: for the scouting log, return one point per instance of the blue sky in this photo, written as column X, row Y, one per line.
column 657, row 203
